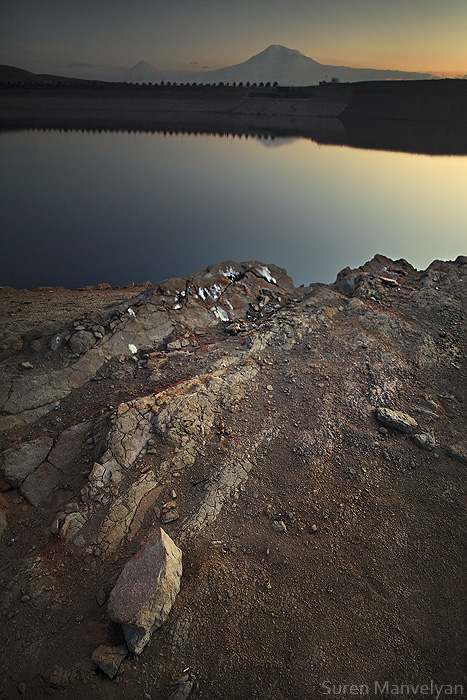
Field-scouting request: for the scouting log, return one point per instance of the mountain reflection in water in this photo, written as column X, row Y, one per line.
column 408, row 136
column 107, row 203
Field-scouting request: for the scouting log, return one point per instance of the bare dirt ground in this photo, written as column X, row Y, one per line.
column 323, row 544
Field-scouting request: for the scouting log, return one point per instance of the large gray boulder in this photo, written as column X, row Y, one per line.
column 146, row 589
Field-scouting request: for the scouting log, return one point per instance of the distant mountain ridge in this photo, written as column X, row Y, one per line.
column 275, row 64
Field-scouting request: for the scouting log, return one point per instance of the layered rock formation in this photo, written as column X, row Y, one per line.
column 304, row 449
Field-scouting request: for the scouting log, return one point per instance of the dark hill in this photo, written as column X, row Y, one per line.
column 9, row 75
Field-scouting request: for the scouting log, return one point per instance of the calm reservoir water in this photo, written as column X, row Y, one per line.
column 81, row 208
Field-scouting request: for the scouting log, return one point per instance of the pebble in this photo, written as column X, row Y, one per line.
column 270, row 387
column 25, row 598
column 22, row 688
column 168, row 506
column 425, row 441
column 170, row 516
column 279, row 526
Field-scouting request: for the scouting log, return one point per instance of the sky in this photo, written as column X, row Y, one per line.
column 90, row 38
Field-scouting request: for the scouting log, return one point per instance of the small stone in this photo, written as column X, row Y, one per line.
column 183, row 691
column 168, row 506
column 22, row 688
column 72, row 508
column 81, row 342
column 279, row 526
column 174, row 345
column 314, row 527
column 425, row 441
column 27, row 365
column 270, row 387
column 109, row 659
column 170, row 516
column 396, row 419
column 382, row 430
column 57, row 677
column 173, row 494
column 101, row 597
column 458, row 452
column 25, row 598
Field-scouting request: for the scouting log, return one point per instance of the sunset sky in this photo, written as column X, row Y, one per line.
column 91, row 37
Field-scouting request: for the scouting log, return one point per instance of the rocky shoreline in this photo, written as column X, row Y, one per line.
column 302, row 450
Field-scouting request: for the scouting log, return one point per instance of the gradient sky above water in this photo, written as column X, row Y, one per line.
column 88, row 37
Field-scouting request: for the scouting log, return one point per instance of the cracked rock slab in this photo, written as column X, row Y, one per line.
column 122, row 519
column 38, row 486
column 146, row 589
column 19, row 462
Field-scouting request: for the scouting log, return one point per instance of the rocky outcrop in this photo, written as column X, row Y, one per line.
column 307, row 455
column 146, row 589
column 219, row 293
column 38, row 467
column 379, row 272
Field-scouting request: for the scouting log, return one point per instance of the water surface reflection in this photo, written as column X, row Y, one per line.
column 82, row 207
